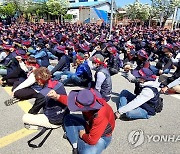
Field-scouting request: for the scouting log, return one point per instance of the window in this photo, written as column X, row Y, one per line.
column 71, row 1
column 83, row 0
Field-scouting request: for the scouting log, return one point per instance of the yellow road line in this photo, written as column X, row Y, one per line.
column 24, row 105
column 6, row 140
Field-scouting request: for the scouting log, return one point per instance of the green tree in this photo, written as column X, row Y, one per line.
column 57, row 7
column 165, row 8
column 138, row 10
column 9, row 9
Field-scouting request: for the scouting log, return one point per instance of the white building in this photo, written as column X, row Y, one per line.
column 90, row 10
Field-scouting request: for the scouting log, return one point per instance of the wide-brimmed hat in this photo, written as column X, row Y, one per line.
column 85, row 100
column 144, row 73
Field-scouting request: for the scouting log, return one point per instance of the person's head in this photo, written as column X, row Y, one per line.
column 112, row 50
column 86, row 55
column 42, row 75
column 79, row 58
column 144, row 74
column 97, row 60
column 176, row 46
column 168, row 48
column 142, row 55
column 85, row 100
column 39, row 46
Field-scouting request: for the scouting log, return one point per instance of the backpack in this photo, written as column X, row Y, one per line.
column 159, row 107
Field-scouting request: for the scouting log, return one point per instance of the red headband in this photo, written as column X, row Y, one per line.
column 79, row 57
column 96, row 60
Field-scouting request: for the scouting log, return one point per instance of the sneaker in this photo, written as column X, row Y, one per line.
column 75, row 151
column 31, row 127
column 11, row 101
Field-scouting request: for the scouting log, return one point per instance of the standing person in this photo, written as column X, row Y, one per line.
column 92, row 133
column 103, row 81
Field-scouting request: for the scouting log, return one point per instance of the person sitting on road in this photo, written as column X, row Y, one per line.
column 51, row 117
column 82, row 76
column 146, row 102
column 103, row 82
column 92, row 133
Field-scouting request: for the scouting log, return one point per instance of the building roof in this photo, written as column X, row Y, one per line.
column 88, row 4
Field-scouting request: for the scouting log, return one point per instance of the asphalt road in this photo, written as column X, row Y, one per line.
column 159, row 134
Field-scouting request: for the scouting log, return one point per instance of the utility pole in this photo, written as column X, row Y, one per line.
column 174, row 17
column 111, row 22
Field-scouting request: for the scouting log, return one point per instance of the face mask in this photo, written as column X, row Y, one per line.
column 38, row 48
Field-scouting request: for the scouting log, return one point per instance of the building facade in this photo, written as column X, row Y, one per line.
column 90, row 11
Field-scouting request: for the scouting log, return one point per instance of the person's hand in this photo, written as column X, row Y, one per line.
column 170, row 55
column 81, row 133
column 164, row 89
column 52, row 94
column 12, row 94
column 127, row 68
column 160, row 72
column 1, row 82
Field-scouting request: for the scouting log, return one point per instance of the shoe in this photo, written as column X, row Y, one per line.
column 31, row 127
column 75, row 151
column 11, row 101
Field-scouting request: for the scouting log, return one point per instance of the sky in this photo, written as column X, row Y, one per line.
column 122, row 3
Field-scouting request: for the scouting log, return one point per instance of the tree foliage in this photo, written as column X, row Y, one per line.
column 8, row 9
column 138, row 10
column 165, row 8
column 57, row 7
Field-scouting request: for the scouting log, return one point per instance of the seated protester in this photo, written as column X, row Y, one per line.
column 27, row 89
column 128, row 68
column 131, row 58
column 51, row 53
column 113, row 61
column 5, row 59
column 142, row 59
column 142, row 62
column 62, row 66
column 171, row 84
column 146, row 102
column 51, row 117
column 92, row 133
column 41, row 55
column 165, row 63
column 176, row 48
column 14, row 73
column 82, row 76
column 103, row 82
